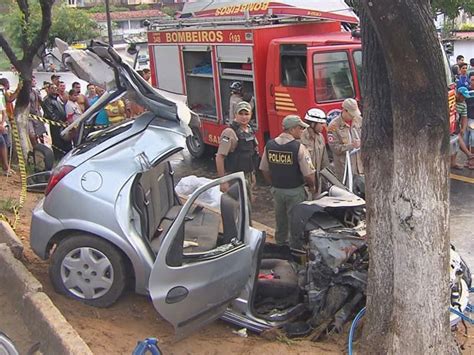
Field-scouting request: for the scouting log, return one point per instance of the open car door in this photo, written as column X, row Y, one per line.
column 202, row 266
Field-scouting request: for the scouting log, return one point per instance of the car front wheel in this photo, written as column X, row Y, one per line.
column 89, row 269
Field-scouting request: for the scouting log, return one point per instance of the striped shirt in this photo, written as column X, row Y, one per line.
column 461, row 108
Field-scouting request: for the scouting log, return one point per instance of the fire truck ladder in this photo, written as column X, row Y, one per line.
column 247, row 21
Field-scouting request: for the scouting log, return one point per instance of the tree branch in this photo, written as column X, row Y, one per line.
column 24, row 8
column 46, row 6
column 9, row 51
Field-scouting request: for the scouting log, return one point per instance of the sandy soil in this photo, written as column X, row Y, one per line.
column 117, row 329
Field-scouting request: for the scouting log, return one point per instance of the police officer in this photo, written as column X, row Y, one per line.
column 313, row 140
column 238, row 147
column 286, row 165
column 344, row 133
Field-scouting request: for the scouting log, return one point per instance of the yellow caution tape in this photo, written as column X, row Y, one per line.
column 60, row 123
column 21, row 164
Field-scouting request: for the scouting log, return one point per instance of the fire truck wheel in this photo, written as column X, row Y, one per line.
column 195, row 144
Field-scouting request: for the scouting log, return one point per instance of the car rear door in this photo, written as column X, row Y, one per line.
column 192, row 288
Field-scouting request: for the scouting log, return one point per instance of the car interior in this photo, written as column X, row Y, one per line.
column 208, row 230
column 278, row 294
column 158, row 205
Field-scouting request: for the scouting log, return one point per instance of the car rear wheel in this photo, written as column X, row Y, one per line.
column 89, row 269
column 41, row 158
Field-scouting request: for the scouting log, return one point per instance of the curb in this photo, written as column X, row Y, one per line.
column 46, row 323
column 8, row 236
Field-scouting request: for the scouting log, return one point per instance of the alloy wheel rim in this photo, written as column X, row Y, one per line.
column 87, row 273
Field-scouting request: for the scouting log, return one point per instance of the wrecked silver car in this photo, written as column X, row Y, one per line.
column 111, row 219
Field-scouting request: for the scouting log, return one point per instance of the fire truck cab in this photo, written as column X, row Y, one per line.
column 287, row 60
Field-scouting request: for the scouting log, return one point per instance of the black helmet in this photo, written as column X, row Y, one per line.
column 236, row 87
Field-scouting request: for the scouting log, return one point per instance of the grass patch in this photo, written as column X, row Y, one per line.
column 8, row 205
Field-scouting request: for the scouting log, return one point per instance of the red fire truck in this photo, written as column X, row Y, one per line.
column 288, row 58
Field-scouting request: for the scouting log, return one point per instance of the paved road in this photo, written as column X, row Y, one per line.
column 462, row 216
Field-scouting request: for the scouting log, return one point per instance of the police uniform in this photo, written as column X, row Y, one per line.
column 239, row 147
column 340, row 138
column 289, row 162
column 316, row 146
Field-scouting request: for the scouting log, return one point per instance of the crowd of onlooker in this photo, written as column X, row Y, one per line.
column 464, row 130
column 53, row 101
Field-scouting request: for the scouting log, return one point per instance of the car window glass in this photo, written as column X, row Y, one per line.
column 332, row 76
column 293, row 65
column 213, row 225
column 357, row 55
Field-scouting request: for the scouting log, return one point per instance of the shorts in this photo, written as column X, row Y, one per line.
column 4, row 141
column 469, row 134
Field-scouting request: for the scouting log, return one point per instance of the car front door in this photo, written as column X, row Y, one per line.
column 200, row 268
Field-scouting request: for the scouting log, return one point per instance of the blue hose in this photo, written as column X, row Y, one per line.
column 353, row 328
column 147, row 345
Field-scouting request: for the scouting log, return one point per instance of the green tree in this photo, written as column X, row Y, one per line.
column 101, row 9
column 451, row 8
column 69, row 24
column 30, row 43
column 168, row 11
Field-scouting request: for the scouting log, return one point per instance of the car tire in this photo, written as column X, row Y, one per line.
column 43, row 158
column 88, row 269
column 195, row 143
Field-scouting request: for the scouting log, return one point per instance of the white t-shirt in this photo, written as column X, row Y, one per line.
column 3, row 102
column 73, row 111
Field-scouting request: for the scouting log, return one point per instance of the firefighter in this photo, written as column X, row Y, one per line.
column 313, row 140
column 344, row 133
column 235, row 97
column 286, row 165
column 238, row 147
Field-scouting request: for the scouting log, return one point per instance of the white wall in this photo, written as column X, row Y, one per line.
column 465, row 48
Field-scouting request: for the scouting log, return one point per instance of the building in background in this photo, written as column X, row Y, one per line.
column 92, row 3
column 127, row 25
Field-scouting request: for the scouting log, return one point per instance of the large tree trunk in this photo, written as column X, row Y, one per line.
column 406, row 148
column 30, row 48
column 22, row 112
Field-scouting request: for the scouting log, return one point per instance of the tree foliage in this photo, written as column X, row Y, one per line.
column 450, row 8
column 69, row 24
column 101, row 9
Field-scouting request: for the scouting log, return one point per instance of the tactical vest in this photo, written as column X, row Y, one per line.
column 283, row 163
column 244, row 156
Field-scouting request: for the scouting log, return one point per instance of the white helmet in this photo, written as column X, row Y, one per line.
column 315, row 115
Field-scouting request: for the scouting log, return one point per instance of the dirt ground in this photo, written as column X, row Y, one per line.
column 117, row 329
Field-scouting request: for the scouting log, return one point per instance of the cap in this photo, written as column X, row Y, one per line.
column 54, row 76
column 465, row 92
column 292, row 121
column 351, row 106
column 243, row 106
column 315, row 115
